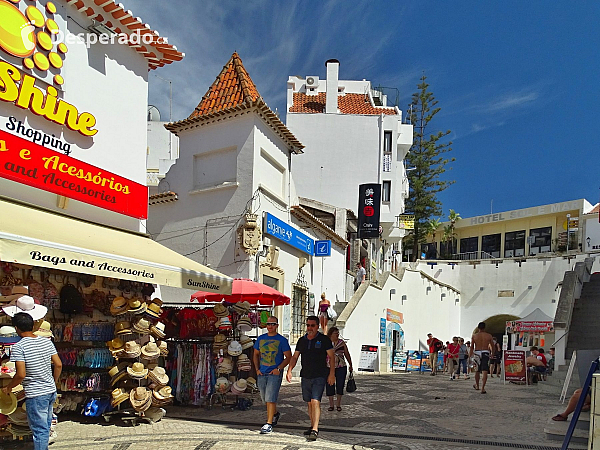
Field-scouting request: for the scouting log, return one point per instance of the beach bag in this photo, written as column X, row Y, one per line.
column 351, row 384
column 331, row 313
column 71, row 300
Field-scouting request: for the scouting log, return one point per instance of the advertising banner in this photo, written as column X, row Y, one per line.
column 288, row 234
column 399, row 361
column 406, row 221
column 515, row 367
column 382, row 329
column 394, row 316
column 369, row 358
column 31, row 164
column 369, row 203
column 517, row 326
column 413, row 361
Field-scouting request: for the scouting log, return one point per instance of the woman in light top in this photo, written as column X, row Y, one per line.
column 341, row 369
column 323, row 317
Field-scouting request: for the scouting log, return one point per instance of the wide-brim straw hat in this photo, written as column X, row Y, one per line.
column 118, row 372
column 220, row 311
column 118, row 306
column 158, row 330
column 140, row 398
column 239, row 386
column 8, row 331
column 8, row 403
column 27, row 305
column 251, row 381
column 150, row 350
column 159, row 376
column 246, row 342
column 136, row 306
column 132, row 349
column 119, row 396
column 16, row 293
column 122, row 327
column 115, row 345
column 154, row 310
column 162, row 394
column 142, row 326
column 137, row 370
column 162, row 346
column 222, row 385
column 45, row 330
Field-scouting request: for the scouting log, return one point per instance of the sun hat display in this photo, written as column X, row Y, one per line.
column 225, row 366
column 118, row 397
column 224, row 323
column 142, row 326
column 118, row 306
column 158, row 330
column 164, row 393
column 220, row 310
column 116, row 346
column 222, row 385
column 132, row 350
column 220, row 342
column 8, row 403
column 45, row 330
column 123, row 327
column 244, row 324
column 27, row 305
column 8, row 369
column 246, row 342
column 234, row 349
column 239, row 387
column 118, row 372
column 16, row 292
column 141, row 398
column 137, row 370
column 243, row 363
column 241, row 307
column 150, row 350
column 135, row 306
column 154, row 310
column 159, row 376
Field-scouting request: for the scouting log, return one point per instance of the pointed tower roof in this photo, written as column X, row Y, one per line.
column 232, row 92
column 232, row 87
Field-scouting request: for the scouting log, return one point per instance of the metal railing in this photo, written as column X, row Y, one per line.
column 473, row 255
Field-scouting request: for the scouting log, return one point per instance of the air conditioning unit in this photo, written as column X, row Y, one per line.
column 312, row 82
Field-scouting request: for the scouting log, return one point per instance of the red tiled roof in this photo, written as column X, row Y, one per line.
column 232, row 87
column 158, row 52
column 347, row 104
column 596, row 209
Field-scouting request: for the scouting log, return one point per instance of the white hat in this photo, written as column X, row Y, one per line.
column 27, row 305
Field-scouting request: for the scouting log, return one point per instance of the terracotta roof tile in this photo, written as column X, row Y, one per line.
column 347, row 104
column 232, row 87
column 596, row 209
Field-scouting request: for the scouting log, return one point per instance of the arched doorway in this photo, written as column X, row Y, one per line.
column 496, row 325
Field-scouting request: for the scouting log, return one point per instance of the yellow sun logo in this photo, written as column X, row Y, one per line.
column 21, row 34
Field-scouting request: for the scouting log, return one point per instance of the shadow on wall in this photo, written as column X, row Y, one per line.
column 473, row 299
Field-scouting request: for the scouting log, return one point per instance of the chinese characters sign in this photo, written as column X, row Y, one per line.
column 369, row 201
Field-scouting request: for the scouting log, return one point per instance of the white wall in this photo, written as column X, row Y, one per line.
column 591, row 231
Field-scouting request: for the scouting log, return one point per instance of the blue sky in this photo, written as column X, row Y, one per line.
column 517, row 81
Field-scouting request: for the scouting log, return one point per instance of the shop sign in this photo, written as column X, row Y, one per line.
column 413, row 361
column 288, row 234
column 515, row 367
column 394, row 316
column 31, row 164
column 382, row 328
column 406, row 221
column 369, row 203
column 399, row 360
column 369, row 358
column 534, row 326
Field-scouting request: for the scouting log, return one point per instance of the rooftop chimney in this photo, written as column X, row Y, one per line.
column 333, row 70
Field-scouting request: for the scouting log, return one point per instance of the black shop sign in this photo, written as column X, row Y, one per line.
column 369, row 203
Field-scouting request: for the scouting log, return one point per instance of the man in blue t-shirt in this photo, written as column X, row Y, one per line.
column 272, row 353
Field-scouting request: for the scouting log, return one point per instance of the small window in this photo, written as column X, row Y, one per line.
column 514, row 244
column 386, row 193
column 387, row 141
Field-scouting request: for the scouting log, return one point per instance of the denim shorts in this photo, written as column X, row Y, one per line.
column 269, row 385
column 312, row 388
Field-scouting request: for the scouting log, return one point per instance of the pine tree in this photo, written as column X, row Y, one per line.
column 427, row 158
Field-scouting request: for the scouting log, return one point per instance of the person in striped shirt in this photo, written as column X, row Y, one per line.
column 34, row 357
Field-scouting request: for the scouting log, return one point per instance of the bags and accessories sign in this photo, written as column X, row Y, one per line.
column 31, row 164
column 288, row 234
column 369, row 204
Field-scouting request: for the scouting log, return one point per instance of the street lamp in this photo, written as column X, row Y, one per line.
column 568, row 220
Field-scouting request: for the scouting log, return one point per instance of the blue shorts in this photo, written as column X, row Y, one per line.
column 312, row 388
column 269, row 385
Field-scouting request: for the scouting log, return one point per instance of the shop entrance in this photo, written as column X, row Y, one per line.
column 496, row 325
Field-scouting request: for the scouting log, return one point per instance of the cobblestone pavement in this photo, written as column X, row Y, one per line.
column 399, row 411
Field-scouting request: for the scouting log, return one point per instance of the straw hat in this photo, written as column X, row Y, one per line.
column 123, row 327
column 25, row 304
column 242, row 307
column 246, row 342
column 142, row 326
column 220, row 310
column 225, row 366
column 164, row 393
column 45, row 330
column 137, row 371
column 154, row 310
column 118, row 397
column 19, row 391
column 132, row 349
column 135, row 306
column 141, row 398
column 251, row 382
column 8, row 403
column 19, row 416
column 118, row 372
column 150, row 350
column 158, row 330
column 234, row 349
column 162, row 346
column 8, row 369
column 8, row 331
column 16, row 292
column 158, row 301
column 159, row 376
column 239, row 386
column 118, row 306
column 115, row 346
column 244, row 324
column 222, row 385
column 243, row 363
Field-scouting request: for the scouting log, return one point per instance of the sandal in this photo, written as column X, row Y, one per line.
column 559, row 418
column 330, row 408
column 339, row 408
column 475, row 387
column 483, row 391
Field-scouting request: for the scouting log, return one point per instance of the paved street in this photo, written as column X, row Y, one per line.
column 407, row 411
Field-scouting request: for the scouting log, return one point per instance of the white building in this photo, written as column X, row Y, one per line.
column 162, row 150
column 352, row 137
column 233, row 181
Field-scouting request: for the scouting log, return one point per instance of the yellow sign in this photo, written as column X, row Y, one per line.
column 406, row 221
column 29, row 36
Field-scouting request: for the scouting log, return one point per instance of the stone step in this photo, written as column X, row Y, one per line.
column 556, row 431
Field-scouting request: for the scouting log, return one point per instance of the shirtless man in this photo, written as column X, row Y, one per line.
column 482, row 342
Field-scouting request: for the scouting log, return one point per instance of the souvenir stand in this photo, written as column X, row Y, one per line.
column 224, row 327
column 536, row 329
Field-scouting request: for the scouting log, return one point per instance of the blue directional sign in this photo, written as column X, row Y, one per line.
column 288, row 234
column 323, row 248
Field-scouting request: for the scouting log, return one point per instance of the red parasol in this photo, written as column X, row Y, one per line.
column 245, row 290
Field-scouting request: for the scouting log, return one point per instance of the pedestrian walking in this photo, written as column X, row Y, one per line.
column 445, row 353
column 435, row 345
column 34, row 357
column 495, row 358
column 314, row 347
column 481, row 342
column 463, row 355
column 272, row 353
column 323, row 316
column 360, row 276
column 453, row 352
column 341, row 368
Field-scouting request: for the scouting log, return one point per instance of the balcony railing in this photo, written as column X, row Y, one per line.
column 473, row 255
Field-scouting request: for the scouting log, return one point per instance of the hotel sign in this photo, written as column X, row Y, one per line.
column 554, row 208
